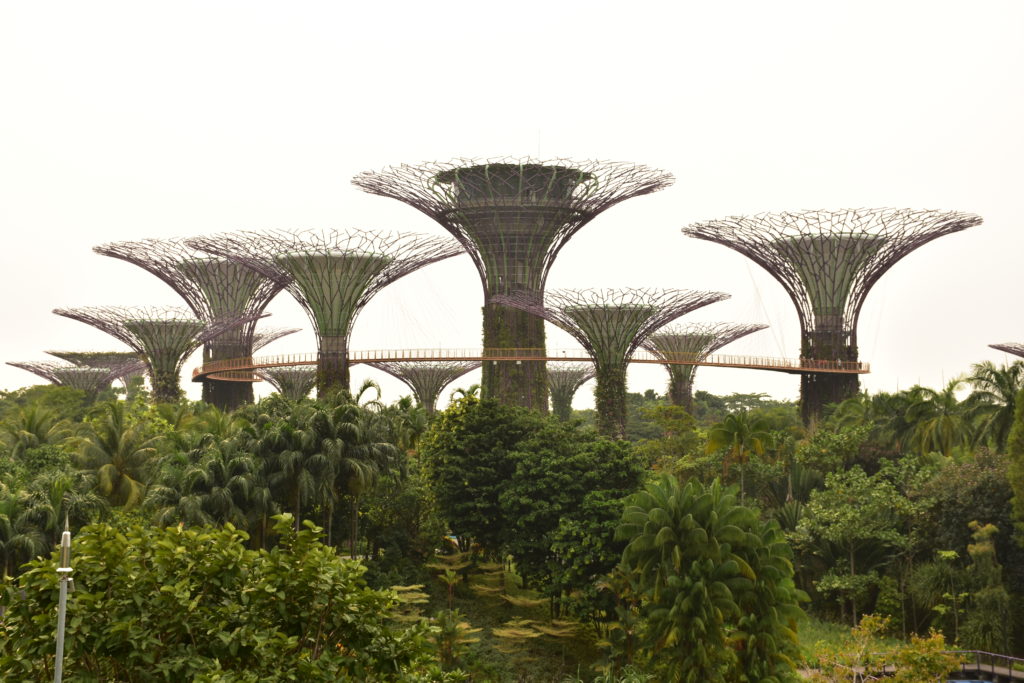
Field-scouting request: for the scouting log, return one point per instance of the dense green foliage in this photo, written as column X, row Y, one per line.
column 195, row 604
column 497, row 526
column 715, row 583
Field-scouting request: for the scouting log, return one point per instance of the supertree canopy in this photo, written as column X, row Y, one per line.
column 513, row 215
column 611, row 324
column 90, row 380
column 564, row 379
column 332, row 274
column 214, row 288
column 692, row 342
column 268, row 335
column 129, row 364
column 293, row 383
column 828, row 261
column 165, row 336
column 1015, row 348
column 427, row 380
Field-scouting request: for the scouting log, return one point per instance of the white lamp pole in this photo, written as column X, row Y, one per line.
column 64, row 573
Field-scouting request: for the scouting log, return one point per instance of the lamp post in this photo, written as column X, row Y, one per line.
column 64, row 574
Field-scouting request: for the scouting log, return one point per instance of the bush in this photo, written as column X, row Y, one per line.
column 194, row 604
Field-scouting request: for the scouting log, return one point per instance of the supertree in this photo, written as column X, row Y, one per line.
column 827, row 261
column 90, row 380
column 513, row 216
column 611, row 324
column 332, row 274
column 293, row 383
column 692, row 342
column 214, row 288
column 165, row 336
column 427, row 380
column 1015, row 348
column 128, row 363
column 564, row 379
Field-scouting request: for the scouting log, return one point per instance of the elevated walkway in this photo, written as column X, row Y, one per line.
column 241, row 369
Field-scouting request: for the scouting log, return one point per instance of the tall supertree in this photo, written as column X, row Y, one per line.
column 165, row 336
column 564, row 379
column 827, row 261
column 332, row 274
column 214, row 288
column 293, row 383
column 611, row 324
column 427, row 380
column 692, row 342
column 90, row 380
column 1015, row 348
column 513, row 216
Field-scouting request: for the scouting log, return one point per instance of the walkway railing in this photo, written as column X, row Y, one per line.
column 998, row 667
column 240, row 369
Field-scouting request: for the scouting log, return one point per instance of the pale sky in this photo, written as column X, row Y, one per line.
column 131, row 120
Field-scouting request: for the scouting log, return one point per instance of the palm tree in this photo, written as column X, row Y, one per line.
column 473, row 391
column 55, row 496
column 740, row 435
column 939, row 420
column 33, row 427
column 993, row 400
column 119, row 454
column 292, row 457
column 20, row 540
column 214, row 490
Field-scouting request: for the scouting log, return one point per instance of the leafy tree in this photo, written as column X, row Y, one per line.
column 989, row 622
column 194, row 604
column 855, row 523
column 557, row 468
column 716, row 583
column 467, row 460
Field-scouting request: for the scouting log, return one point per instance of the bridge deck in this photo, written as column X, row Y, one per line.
column 240, row 369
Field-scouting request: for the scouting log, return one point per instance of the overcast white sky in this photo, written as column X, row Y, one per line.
column 127, row 120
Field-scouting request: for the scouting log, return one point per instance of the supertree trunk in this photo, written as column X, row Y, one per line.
column 818, row 390
column 226, row 396
column 332, row 366
column 680, row 387
column 610, row 401
column 521, row 383
column 166, row 386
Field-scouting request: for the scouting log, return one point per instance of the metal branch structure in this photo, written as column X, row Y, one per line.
column 164, row 336
column 692, row 341
column 333, row 274
column 293, row 383
column 91, row 380
column 427, row 380
column 128, row 363
column 268, row 335
column 827, row 261
column 513, row 216
column 611, row 324
column 1014, row 348
column 564, row 379
column 214, row 288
